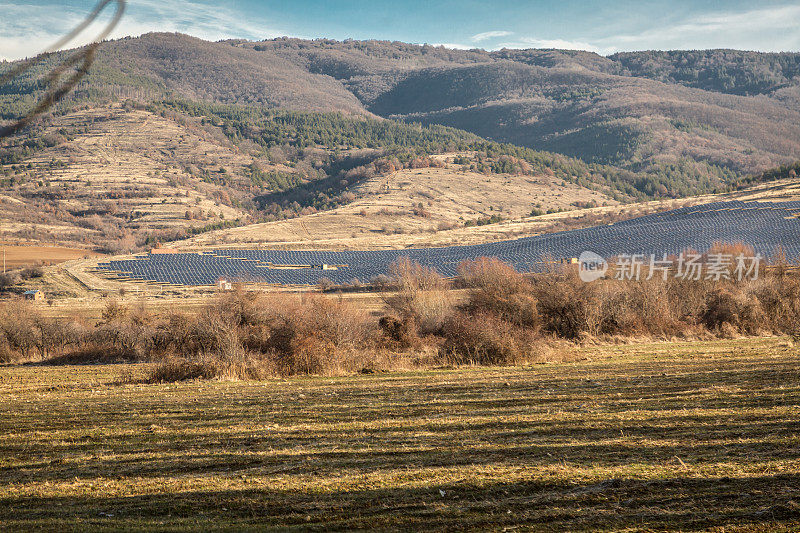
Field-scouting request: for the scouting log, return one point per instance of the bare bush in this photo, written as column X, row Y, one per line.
column 175, row 369
column 112, row 311
column 499, row 289
column 568, row 307
column 423, row 296
column 321, row 336
column 7, row 353
column 725, row 306
column 504, row 318
column 400, row 333
column 247, row 336
column 779, row 298
column 9, row 279
column 635, row 308
column 31, row 272
column 18, row 326
column 485, row 339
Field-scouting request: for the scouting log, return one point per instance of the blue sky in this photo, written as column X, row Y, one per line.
column 603, row 27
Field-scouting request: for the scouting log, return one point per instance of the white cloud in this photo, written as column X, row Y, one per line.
column 454, row 46
column 485, row 36
column 561, row 44
column 211, row 22
column 28, row 29
column 30, row 26
column 763, row 29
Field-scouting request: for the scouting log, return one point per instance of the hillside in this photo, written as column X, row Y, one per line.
column 121, row 178
column 458, row 208
column 685, row 118
column 115, row 179
column 170, row 137
column 421, row 206
column 726, row 71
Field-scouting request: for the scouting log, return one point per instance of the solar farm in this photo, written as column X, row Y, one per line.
column 767, row 227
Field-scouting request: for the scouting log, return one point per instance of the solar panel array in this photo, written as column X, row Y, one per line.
column 765, row 226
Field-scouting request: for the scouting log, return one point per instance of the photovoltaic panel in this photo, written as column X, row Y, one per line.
column 767, row 227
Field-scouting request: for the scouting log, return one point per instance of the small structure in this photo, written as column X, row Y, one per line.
column 224, row 285
column 35, row 295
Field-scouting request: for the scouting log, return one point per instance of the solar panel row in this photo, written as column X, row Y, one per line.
column 765, row 226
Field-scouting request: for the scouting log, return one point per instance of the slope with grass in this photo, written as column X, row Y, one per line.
column 457, row 208
column 684, row 120
column 116, row 177
column 125, row 177
column 415, row 205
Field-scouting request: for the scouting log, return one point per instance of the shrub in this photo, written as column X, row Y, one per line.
column 733, row 249
column 17, row 326
column 400, row 333
column 635, row 308
column 112, row 311
column 687, row 298
column 489, row 273
column 485, row 339
column 321, row 336
column 24, row 333
column 32, row 272
column 128, row 335
column 568, row 307
column 499, row 289
column 8, row 280
column 504, row 318
column 325, row 284
column 725, row 306
column 248, row 336
column 249, row 367
column 423, row 296
column 55, row 335
column 779, row 298
column 182, row 370
column 7, row 354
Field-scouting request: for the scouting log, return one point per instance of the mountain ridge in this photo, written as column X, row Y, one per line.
column 551, row 100
column 316, row 118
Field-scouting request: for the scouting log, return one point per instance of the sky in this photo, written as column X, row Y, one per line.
column 29, row 26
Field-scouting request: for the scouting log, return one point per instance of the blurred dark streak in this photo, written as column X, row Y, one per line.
column 83, row 57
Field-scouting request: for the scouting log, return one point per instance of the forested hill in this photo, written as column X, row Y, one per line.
column 689, row 118
column 725, row 71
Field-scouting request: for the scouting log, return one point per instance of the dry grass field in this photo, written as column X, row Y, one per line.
column 21, row 256
column 449, row 198
column 91, row 307
column 420, row 206
column 694, row 436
